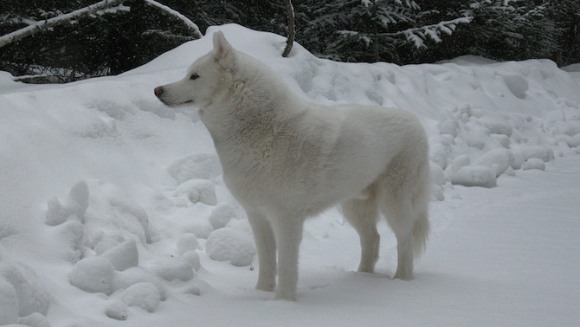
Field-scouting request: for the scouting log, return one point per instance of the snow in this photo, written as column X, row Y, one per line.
column 114, row 211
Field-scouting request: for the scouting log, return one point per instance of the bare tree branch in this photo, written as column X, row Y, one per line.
column 190, row 25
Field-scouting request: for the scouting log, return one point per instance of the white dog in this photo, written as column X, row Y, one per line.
column 285, row 160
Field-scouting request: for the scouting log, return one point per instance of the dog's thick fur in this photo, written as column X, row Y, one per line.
column 285, row 160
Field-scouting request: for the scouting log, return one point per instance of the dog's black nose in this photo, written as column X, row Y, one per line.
column 158, row 91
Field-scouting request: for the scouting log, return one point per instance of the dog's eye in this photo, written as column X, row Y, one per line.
column 193, row 76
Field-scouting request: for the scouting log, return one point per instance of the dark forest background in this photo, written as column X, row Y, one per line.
column 117, row 39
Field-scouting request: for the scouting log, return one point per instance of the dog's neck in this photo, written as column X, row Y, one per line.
column 247, row 103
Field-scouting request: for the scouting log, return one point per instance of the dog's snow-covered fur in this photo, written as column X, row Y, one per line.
column 285, row 160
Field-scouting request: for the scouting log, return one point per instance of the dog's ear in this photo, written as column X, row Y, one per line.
column 221, row 47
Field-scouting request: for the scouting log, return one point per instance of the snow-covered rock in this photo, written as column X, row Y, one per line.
column 201, row 228
column 198, row 191
column 534, row 163
column 134, row 275
column 71, row 233
column 143, row 295
column 31, row 294
column 498, row 159
column 574, row 141
column 93, row 274
column 75, row 205
column 192, row 257
column 222, row 214
column 117, row 309
column 524, row 153
column 197, row 166
column 187, row 242
column 474, row 176
column 171, row 269
column 228, row 244
column 123, row 256
column 34, row 320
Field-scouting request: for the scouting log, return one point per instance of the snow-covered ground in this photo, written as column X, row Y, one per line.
column 113, row 211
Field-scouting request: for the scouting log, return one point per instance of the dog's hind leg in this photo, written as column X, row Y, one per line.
column 266, row 248
column 400, row 217
column 362, row 215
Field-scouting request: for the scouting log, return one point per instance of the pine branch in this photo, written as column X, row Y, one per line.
column 418, row 34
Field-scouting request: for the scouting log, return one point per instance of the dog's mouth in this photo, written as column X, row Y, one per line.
column 176, row 104
column 169, row 100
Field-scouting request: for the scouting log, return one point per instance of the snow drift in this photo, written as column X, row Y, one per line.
column 110, row 200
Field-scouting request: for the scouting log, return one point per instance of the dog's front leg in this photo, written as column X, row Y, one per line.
column 266, row 248
column 288, row 231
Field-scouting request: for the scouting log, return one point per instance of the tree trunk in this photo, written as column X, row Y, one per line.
column 291, row 28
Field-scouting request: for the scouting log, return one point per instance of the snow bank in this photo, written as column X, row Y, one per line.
column 119, row 201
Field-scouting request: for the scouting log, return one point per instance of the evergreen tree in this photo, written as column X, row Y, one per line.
column 510, row 30
column 400, row 31
column 372, row 30
column 566, row 17
column 107, row 42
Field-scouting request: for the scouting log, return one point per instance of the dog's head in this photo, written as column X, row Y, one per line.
column 203, row 77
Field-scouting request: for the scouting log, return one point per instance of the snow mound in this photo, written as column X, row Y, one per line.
column 524, row 153
column 31, row 295
column 34, row 320
column 131, row 276
column 187, row 242
column 229, row 244
column 143, row 295
column 117, row 309
column 123, row 256
column 222, row 215
column 192, row 257
column 534, row 163
column 499, row 160
column 574, row 141
column 517, row 85
column 8, row 303
column 71, row 234
column 171, row 269
column 474, row 176
column 94, row 275
column 197, row 166
column 198, row 191
column 75, row 206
